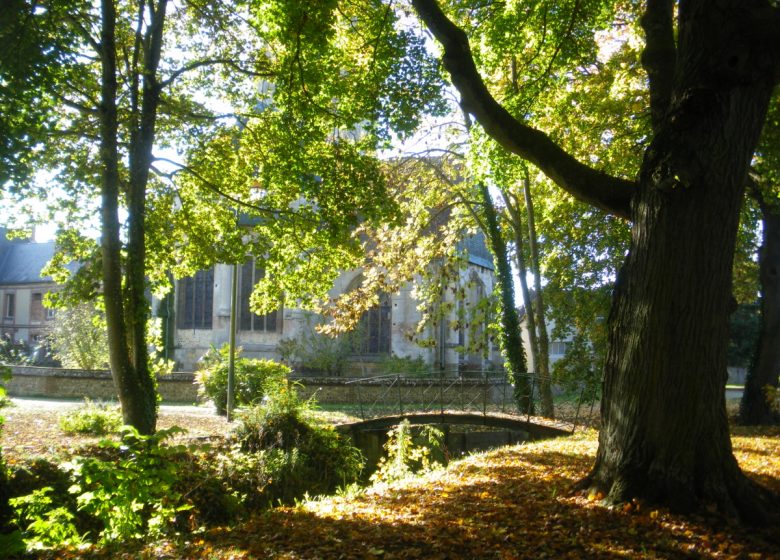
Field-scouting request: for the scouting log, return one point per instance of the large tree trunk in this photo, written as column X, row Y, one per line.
column 756, row 408
column 665, row 436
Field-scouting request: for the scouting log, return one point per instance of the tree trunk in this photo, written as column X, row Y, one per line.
column 121, row 368
column 665, row 435
column 126, row 303
column 548, row 409
column 756, row 408
column 533, row 312
column 511, row 341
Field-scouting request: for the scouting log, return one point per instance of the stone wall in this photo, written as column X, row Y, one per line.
column 29, row 381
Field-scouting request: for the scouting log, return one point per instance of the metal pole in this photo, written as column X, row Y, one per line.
column 231, row 380
column 484, row 395
column 400, row 397
column 577, row 414
column 441, row 391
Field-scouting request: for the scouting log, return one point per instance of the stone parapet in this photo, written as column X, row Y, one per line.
column 30, row 381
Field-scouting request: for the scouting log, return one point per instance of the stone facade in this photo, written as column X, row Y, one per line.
column 192, row 341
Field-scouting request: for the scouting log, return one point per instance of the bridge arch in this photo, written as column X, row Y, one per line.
column 536, row 428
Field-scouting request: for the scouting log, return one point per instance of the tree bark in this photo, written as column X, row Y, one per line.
column 756, row 408
column 533, row 311
column 664, row 435
column 122, row 371
column 124, row 292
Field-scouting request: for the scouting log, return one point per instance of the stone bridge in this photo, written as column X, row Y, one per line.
column 535, row 427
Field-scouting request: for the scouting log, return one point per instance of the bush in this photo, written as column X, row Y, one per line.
column 412, row 367
column 123, row 490
column 5, row 487
column 296, row 454
column 78, row 337
column 316, row 353
column 251, row 376
column 14, row 353
column 410, row 452
column 97, row 419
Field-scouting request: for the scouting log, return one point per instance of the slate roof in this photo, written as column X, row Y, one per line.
column 22, row 262
column 477, row 250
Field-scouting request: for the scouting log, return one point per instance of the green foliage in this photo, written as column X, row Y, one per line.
column 772, row 396
column 312, row 351
column 296, row 454
column 13, row 352
column 414, row 367
column 743, row 334
column 36, row 49
column 78, row 338
column 135, row 495
column 410, row 453
column 580, row 369
column 252, row 377
column 5, row 509
column 124, row 490
column 93, row 418
column 5, row 377
column 45, row 524
column 579, row 313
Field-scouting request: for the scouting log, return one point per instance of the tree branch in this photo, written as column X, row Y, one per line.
column 271, row 212
column 211, row 62
column 659, row 57
column 609, row 193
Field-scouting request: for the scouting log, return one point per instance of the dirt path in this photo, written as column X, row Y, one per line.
column 31, row 426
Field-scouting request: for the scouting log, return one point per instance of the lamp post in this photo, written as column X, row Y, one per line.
column 231, row 377
column 266, row 90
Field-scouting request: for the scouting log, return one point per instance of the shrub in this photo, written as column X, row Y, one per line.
column 410, row 453
column 296, row 454
column 413, row 367
column 91, row 418
column 78, row 337
column 5, row 487
column 318, row 353
column 14, row 353
column 251, row 376
column 135, row 495
column 124, row 490
column 46, row 524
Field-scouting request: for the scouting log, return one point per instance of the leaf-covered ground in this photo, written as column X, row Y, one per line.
column 515, row 502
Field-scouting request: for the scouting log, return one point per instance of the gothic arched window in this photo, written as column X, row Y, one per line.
column 196, row 300
column 372, row 335
column 251, row 273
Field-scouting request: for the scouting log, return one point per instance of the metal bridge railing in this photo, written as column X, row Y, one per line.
column 467, row 391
